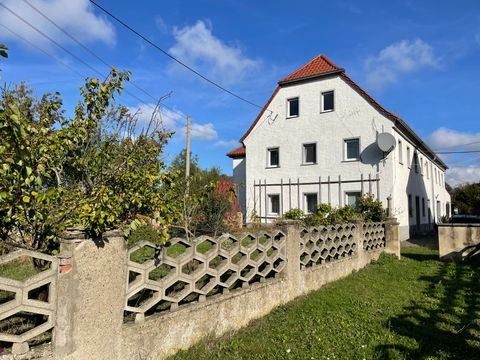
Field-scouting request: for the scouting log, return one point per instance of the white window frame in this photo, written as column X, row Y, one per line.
column 269, row 150
column 305, row 202
column 400, row 151
column 270, row 204
column 304, row 154
column 288, row 107
column 409, row 157
column 350, row 193
column 345, row 141
column 322, row 104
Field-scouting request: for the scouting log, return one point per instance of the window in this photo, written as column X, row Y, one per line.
column 436, row 176
column 293, row 107
column 274, row 202
column 310, row 153
column 273, row 157
column 400, row 152
column 423, row 207
column 427, row 169
column 352, row 197
column 410, row 208
column 421, row 165
column 415, row 162
column 352, row 149
column 408, row 157
column 327, row 101
column 311, row 202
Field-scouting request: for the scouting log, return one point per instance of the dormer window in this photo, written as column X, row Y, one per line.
column 293, row 107
column 327, row 101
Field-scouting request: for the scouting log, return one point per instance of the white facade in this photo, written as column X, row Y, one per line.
column 293, row 182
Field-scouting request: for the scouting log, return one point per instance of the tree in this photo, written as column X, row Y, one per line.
column 466, row 199
column 209, row 197
column 94, row 170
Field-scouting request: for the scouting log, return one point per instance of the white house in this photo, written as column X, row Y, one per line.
column 316, row 141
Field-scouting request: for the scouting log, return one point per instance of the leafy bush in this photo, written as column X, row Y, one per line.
column 294, row 214
column 368, row 209
column 371, row 209
column 144, row 232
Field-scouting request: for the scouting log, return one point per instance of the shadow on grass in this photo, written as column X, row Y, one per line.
column 420, row 256
column 445, row 323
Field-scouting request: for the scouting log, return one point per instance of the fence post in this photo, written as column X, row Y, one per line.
column 358, row 238
column 392, row 237
column 292, row 270
column 90, row 296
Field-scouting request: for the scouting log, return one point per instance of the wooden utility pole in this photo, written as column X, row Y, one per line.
column 187, row 158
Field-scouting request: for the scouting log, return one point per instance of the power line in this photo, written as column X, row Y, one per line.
column 72, row 69
column 86, row 48
column 68, row 51
column 458, row 152
column 166, row 53
column 93, row 53
column 461, row 145
column 64, row 63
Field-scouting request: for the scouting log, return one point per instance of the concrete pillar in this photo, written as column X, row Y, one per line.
column 90, row 296
column 392, row 237
column 292, row 271
column 358, row 238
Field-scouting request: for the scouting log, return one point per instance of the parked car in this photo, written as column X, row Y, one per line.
column 464, row 219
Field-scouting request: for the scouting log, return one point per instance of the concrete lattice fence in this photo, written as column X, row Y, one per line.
column 188, row 271
column 27, row 297
column 109, row 302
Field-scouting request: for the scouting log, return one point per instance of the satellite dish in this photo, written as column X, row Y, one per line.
column 386, row 142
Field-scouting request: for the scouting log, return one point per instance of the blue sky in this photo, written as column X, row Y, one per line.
column 420, row 59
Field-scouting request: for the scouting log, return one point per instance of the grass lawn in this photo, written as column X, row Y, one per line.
column 413, row 308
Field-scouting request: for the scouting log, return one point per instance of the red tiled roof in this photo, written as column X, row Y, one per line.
column 319, row 65
column 322, row 66
column 237, row 153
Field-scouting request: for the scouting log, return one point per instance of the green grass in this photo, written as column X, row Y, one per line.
column 413, row 308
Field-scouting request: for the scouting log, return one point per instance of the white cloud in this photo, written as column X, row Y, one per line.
column 453, row 140
column 397, row 59
column 76, row 17
column 173, row 120
column 227, row 143
column 198, row 47
column 203, row 131
column 167, row 119
column 444, row 139
column 461, row 175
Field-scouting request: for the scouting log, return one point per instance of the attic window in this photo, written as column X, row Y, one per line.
column 327, row 101
column 293, row 107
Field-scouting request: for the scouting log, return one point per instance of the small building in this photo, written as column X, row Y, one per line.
column 321, row 138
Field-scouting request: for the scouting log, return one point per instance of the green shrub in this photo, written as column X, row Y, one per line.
column 294, row 214
column 145, row 232
column 371, row 209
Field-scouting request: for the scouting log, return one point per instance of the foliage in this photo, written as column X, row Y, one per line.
column 368, row 209
column 466, row 199
column 210, row 199
column 294, row 214
column 371, row 208
column 144, row 232
column 429, row 312
column 94, row 170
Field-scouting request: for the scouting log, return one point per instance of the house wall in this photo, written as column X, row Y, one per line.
column 239, row 180
column 353, row 117
column 423, row 183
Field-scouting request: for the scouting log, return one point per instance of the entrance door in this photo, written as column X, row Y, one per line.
column 417, row 214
